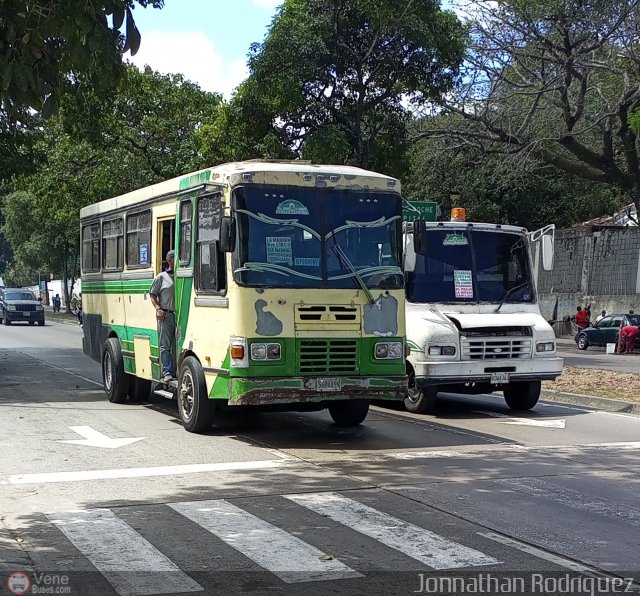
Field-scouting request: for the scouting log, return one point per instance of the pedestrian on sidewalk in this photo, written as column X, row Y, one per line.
column 162, row 298
column 601, row 316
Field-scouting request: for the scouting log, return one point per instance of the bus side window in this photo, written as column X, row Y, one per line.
column 211, row 271
column 186, row 216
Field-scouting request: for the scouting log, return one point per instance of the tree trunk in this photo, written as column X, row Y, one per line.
column 65, row 278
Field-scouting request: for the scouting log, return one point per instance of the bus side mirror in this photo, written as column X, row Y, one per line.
column 547, row 253
column 228, row 234
column 409, row 265
column 420, row 236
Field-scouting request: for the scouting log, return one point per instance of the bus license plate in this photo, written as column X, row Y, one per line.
column 501, row 377
column 329, row 384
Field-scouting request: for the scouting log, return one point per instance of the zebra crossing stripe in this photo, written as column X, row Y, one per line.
column 131, row 564
column 427, row 547
column 284, row 555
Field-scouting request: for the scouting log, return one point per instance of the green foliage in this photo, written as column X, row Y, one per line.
column 336, row 75
column 49, row 47
column 502, row 190
column 145, row 134
column 634, row 121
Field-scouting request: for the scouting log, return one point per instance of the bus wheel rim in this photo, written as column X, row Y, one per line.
column 413, row 395
column 186, row 394
column 106, row 369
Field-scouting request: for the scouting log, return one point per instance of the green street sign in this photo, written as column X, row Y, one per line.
column 427, row 210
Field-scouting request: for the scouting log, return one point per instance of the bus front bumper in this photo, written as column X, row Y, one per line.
column 482, row 371
column 276, row 390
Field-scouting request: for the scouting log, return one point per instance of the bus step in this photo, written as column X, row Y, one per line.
column 164, row 393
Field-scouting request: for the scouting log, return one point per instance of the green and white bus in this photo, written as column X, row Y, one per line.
column 288, row 289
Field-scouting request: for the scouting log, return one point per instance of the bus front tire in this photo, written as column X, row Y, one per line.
column 420, row 399
column 523, row 395
column 194, row 405
column 114, row 379
column 349, row 412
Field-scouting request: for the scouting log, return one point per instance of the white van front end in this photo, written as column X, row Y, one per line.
column 473, row 320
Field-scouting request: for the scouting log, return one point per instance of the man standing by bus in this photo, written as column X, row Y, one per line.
column 161, row 294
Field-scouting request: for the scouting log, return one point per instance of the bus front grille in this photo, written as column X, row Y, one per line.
column 328, row 356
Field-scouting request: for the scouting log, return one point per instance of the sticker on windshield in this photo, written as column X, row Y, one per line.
column 279, row 250
column 463, row 284
column 291, row 207
column 455, row 240
column 307, row 262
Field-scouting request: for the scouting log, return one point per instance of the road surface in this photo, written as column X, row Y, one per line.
column 119, row 499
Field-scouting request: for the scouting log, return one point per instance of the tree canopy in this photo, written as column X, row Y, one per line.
column 338, row 74
column 48, row 46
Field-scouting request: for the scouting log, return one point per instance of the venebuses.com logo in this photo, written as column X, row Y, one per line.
column 18, row 582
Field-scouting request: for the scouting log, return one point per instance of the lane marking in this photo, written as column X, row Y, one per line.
column 574, row 499
column 93, row 438
column 506, row 419
column 427, row 547
column 131, row 564
column 85, row 475
column 281, row 553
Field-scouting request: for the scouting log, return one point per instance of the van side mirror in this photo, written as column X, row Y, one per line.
column 547, row 253
column 420, row 236
column 227, row 234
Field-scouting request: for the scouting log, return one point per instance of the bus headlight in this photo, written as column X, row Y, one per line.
column 442, row 351
column 266, row 352
column 388, row 350
column 546, row 346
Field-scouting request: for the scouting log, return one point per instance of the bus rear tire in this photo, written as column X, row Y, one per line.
column 114, row 379
column 523, row 395
column 139, row 389
column 420, row 399
column 349, row 412
column 195, row 407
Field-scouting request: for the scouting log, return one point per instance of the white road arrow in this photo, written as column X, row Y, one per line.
column 93, row 438
column 544, row 423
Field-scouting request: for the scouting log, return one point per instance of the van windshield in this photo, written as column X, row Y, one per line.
column 467, row 266
column 317, row 237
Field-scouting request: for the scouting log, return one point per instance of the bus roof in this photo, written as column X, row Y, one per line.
column 265, row 170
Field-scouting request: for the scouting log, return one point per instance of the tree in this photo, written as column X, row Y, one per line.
column 338, row 74
column 47, row 47
column 146, row 134
column 553, row 82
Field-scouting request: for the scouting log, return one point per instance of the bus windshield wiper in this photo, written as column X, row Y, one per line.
column 347, row 264
column 509, row 292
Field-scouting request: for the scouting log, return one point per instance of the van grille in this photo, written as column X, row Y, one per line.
column 328, row 356
column 495, row 348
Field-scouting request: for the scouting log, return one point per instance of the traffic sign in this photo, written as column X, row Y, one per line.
column 426, row 210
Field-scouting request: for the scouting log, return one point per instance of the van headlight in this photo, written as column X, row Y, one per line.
column 442, row 351
column 546, row 346
column 11, row 307
column 266, row 351
column 388, row 350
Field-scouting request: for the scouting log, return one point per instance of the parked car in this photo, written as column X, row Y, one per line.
column 606, row 331
column 17, row 304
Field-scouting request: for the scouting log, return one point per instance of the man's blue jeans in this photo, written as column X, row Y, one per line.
column 167, row 341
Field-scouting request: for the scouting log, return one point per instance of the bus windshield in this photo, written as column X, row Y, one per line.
column 317, row 237
column 467, row 266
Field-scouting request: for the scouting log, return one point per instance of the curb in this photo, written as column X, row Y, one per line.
column 590, row 401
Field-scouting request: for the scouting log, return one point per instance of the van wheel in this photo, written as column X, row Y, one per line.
column 523, row 395
column 32, row 323
column 195, row 407
column 349, row 412
column 139, row 389
column 6, row 320
column 114, row 378
column 420, row 399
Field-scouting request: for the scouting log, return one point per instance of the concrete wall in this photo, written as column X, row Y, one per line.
column 598, row 266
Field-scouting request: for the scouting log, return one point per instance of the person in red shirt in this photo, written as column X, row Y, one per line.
column 582, row 318
column 628, row 335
